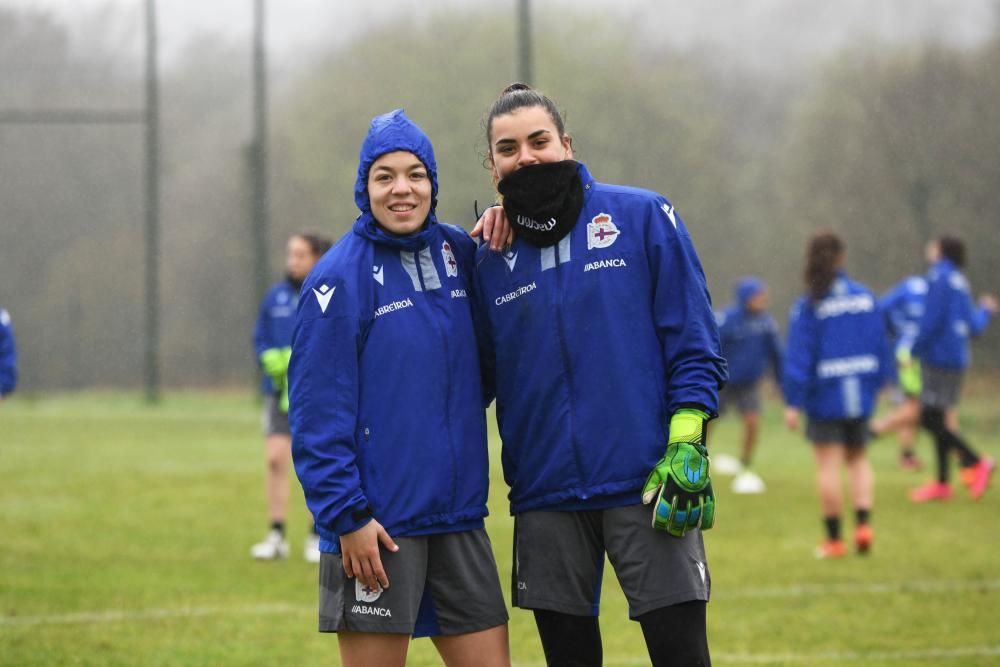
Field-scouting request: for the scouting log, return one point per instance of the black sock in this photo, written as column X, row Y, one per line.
column 932, row 419
column 832, row 524
column 676, row 635
column 966, row 457
column 862, row 517
column 568, row 640
column 278, row 526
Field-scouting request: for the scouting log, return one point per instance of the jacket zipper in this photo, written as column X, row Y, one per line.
column 567, row 367
column 447, row 382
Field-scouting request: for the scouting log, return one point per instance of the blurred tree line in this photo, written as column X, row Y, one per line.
column 889, row 145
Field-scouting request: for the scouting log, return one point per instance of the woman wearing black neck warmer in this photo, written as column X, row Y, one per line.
column 389, row 425
column 606, row 359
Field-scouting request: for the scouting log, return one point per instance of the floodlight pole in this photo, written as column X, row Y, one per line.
column 152, row 187
column 258, row 155
column 525, row 74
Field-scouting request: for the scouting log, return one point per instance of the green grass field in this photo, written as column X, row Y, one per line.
column 124, row 536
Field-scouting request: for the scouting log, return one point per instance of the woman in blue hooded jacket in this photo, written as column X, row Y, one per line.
column 941, row 344
column 750, row 344
column 388, row 423
column 837, row 359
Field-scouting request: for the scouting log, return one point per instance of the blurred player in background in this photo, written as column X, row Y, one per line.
column 837, row 359
column 389, row 424
column 903, row 307
column 606, row 357
column 8, row 355
column 750, row 344
column 272, row 341
column 942, row 346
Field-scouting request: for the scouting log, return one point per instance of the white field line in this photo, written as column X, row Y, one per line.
column 795, row 590
column 820, row 590
column 860, row 657
column 126, row 615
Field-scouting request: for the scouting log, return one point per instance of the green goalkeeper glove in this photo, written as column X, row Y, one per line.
column 908, row 371
column 680, row 482
column 274, row 361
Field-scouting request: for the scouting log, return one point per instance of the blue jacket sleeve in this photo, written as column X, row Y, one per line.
column 891, row 305
column 8, row 355
column 261, row 329
column 774, row 350
column 682, row 314
column 467, row 254
column 979, row 320
column 887, row 353
column 323, row 408
column 484, row 339
column 800, row 356
column 935, row 316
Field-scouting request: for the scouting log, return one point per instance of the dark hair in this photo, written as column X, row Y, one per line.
column 953, row 250
column 823, row 253
column 521, row 96
column 318, row 244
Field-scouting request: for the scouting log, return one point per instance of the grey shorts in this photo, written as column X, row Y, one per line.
column 742, row 397
column 443, row 584
column 275, row 420
column 559, row 561
column 941, row 387
column 853, row 433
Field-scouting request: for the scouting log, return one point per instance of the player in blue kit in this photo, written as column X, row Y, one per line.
column 836, row 360
column 942, row 346
column 272, row 342
column 750, row 344
column 388, row 421
column 605, row 354
column 903, row 306
column 8, row 355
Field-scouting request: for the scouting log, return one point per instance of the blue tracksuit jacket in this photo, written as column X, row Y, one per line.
column 593, row 344
column 948, row 320
column 8, row 355
column 749, row 340
column 275, row 323
column 838, row 355
column 903, row 306
column 386, row 403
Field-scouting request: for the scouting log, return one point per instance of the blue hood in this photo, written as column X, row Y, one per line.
column 390, row 132
column 746, row 288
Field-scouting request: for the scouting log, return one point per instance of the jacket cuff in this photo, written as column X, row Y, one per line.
column 352, row 520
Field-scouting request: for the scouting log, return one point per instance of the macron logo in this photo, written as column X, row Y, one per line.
column 511, row 259
column 377, row 274
column 323, row 295
column 669, row 210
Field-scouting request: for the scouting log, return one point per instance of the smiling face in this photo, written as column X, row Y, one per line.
column 399, row 189
column 526, row 136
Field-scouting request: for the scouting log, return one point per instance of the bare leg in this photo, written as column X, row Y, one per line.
column 829, row 457
column 361, row 649
column 279, row 455
column 486, row 648
column 860, row 479
column 751, row 426
column 905, row 414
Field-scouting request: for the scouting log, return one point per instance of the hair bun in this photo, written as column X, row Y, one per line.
column 515, row 87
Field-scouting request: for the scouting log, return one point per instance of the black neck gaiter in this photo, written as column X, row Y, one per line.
column 543, row 201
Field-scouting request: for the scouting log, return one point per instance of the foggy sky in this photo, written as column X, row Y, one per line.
column 758, row 34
